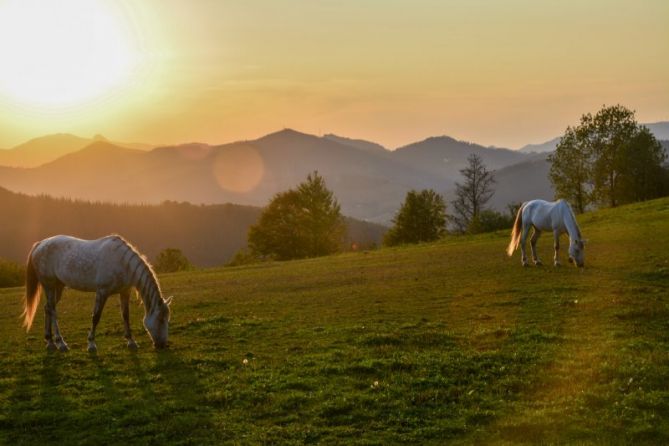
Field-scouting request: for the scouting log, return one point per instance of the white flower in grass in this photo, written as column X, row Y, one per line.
column 245, row 361
column 375, row 385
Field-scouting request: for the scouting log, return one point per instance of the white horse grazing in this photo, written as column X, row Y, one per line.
column 108, row 265
column 542, row 215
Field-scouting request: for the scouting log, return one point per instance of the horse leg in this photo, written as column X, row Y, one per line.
column 556, row 245
column 60, row 343
column 533, row 245
column 49, row 308
column 125, row 312
column 523, row 240
column 100, row 300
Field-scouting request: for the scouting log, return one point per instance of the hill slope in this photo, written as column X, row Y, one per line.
column 445, row 342
column 208, row 235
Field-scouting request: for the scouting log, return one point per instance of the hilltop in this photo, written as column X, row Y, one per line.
column 443, row 342
column 48, row 148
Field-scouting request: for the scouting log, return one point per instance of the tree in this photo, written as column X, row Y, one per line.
column 472, row 196
column 641, row 175
column 610, row 131
column 298, row 223
column 421, row 218
column 608, row 159
column 570, row 167
column 171, row 260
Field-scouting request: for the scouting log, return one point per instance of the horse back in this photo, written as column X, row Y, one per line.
column 76, row 263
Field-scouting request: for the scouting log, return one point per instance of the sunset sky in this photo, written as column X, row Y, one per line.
column 503, row 73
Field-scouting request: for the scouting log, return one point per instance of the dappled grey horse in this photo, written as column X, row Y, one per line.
column 108, row 265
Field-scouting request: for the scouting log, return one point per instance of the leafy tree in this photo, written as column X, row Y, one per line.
column 171, row 260
column 608, row 159
column 298, row 223
column 570, row 167
column 421, row 218
column 472, row 195
column 641, row 175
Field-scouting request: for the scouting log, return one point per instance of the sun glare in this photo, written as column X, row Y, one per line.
column 62, row 53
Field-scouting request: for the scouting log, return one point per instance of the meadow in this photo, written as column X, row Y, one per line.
column 448, row 342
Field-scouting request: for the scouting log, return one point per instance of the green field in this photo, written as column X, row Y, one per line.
column 444, row 342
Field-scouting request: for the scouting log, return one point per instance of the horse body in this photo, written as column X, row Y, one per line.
column 84, row 265
column 109, row 265
column 541, row 215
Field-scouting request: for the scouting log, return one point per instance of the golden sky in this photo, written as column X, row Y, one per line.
column 503, row 73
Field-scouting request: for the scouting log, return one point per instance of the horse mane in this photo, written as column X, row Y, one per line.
column 153, row 284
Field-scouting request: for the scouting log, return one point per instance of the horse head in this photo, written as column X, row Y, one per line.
column 156, row 323
column 577, row 252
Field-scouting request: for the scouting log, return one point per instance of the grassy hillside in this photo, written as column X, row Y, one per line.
column 446, row 341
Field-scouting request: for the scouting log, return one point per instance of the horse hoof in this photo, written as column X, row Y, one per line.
column 92, row 349
column 538, row 263
column 557, row 264
column 51, row 347
column 63, row 347
column 132, row 345
column 525, row 264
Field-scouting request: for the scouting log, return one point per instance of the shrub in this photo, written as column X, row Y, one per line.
column 171, row 260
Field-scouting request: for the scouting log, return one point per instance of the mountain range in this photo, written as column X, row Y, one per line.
column 369, row 181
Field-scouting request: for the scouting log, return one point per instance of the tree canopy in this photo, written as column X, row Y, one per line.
column 298, row 223
column 608, row 159
column 421, row 218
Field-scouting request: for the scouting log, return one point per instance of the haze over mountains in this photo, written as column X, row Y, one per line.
column 44, row 149
column 369, row 181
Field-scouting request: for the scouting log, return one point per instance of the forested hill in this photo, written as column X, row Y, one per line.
column 208, row 234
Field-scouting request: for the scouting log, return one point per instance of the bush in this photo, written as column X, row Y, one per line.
column 488, row 221
column 171, row 260
column 11, row 274
column 245, row 257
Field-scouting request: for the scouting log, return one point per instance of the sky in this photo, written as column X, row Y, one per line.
column 504, row 72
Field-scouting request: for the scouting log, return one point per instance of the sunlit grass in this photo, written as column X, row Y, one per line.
column 422, row 344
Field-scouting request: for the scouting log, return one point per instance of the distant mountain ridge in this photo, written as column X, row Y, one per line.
column 48, row 148
column 369, row 182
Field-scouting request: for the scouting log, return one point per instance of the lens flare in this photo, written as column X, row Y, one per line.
column 239, row 168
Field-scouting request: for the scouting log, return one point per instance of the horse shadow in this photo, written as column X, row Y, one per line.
column 37, row 403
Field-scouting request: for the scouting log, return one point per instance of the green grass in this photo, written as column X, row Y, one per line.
column 465, row 344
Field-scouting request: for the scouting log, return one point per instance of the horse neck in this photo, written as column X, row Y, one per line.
column 570, row 223
column 146, row 284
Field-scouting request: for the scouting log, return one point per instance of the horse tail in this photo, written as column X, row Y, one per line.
column 31, row 299
column 515, row 232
